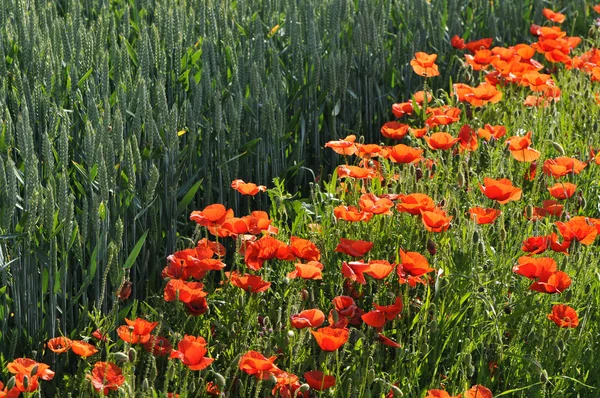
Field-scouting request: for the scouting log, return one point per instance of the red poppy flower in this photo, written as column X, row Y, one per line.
column 391, row 311
column 553, row 16
column 379, row 269
column 577, row 228
column 212, row 215
column 82, row 348
column 317, row 380
column 247, row 188
column 186, row 292
column 264, row 249
column 483, row 216
column 308, row 319
column 191, row 351
column 375, row 319
column 355, row 172
column 440, row 141
column 354, row 270
column 478, row 391
column 59, row 345
column 424, row 64
column 490, row 131
column 394, row 130
column 304, row 249
column 562, row 166
column 158, row 346
column 25, row 366
column 330, row 339
column 533, row 268
column 564, row 316
column 212, row 389
column 402, row 108
column 106, row 377
column 404, row 154
column 520, row 149
column 442, row 116
column 536, row 244
column 482, row 95
column 551, row 282
column 480, row 60
column 373, row 204
column 354, row 248
column 412, row 266
column 343, row 147
column 254, row 363
column 99, row 335
column 137, row 331
column 481, row 44
column 351, row 213
column 436, row 220
column 467, row 139
column 311, row 270
column 562, row 190
column 415, row 203
column 458, row 43
column 387, row 341
column 501, row 190
column 250, row 283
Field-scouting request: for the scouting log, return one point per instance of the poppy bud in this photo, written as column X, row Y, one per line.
column 261, row 321
column 502, row 234
column 124, row 291
column 461, row 180
column 557, row 352
column 581, row 203
column 418, row 174
column 170, row 373
column 558, row 148
column 272, row 378
column 475, row 237
column 145, row 385
column 34, row 370
column 569, row 293
column 529, row 212
column 11, row 383
column 219, row 379
column 481, row 247
column 303, row 294
column 25, row 382
column 433, row 169
column 121, row 357
column 433, row 326
column 191, row 387
column 132, row 354
column 303, row 388
column 467, row 360
column 543, row 376
column 431, row 248
column 471, row 371
column 396, row 391
column 291, row 334
column 507, row 310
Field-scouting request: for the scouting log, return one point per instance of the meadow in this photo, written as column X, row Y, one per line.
column 270, row 198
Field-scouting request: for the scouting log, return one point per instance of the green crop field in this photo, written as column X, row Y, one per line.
column 133, row 264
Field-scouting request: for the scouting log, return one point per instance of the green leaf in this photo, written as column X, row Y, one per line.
column 84, row 77
column 188, row 197
column 135, row 252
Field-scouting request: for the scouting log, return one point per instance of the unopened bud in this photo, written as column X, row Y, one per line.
column 502, row 234
column 431, row 248
column 396, row 391
column 145, row 385
column 461, row 180
column 303, row 388
column 543, row 376
column 121, row 357
column 11, row 383
column 529, row 211
column 219, row 379
column 370, row 376
column 475, row 237
column 34, row 370
column 132, row 354
column 26, row 382
column 558, row 148
column 467, row 360
column 418, row 174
